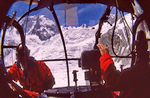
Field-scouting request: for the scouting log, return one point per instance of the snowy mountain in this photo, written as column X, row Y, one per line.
column 44, row 41
column 41, row 26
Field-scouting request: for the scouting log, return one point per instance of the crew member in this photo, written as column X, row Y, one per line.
column 132, row 82
column 33, row 75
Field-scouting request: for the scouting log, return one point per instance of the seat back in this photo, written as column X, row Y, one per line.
column 90, row 59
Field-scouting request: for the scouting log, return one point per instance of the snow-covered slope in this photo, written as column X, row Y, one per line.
column 44, row 41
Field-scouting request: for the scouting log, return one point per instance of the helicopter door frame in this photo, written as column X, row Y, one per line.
column 20, row 30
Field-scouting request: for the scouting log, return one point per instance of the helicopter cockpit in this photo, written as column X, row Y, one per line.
column 70, row 38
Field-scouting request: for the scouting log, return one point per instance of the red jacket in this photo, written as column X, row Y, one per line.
column 133, row 82
column 38, row 73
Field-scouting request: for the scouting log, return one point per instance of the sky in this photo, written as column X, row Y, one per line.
column 76, row 14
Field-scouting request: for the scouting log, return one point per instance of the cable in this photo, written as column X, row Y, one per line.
column 24, row 44
column 28, row 15
column 123, row 18
column 113, row 37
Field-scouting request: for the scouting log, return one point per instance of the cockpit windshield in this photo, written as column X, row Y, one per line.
column 79, row 23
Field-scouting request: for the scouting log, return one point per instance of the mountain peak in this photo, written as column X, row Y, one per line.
column 40, row 26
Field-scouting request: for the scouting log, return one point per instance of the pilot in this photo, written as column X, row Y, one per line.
column 132, row 82
column 34, row 76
